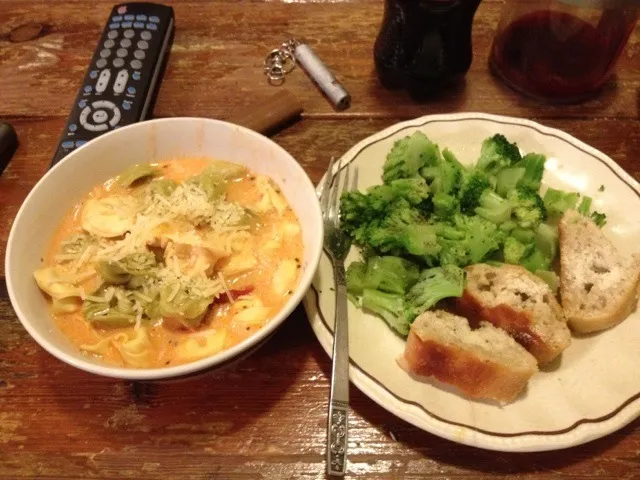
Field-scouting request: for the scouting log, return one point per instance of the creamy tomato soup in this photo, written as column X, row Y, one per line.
column 171, row 262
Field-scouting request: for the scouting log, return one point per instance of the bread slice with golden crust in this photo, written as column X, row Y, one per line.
column 484, row 363
column 598, row 285
column 521, row 303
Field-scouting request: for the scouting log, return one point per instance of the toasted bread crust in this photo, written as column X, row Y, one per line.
column 517, row 323
column 493, row 300
column 476, row 377
column 593, row 298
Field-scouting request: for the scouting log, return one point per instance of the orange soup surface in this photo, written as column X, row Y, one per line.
column 172, row 262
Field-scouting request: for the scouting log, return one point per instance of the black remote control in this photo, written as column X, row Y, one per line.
column 123, row 78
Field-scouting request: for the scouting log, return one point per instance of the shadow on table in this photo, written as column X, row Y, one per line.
column 212, row 403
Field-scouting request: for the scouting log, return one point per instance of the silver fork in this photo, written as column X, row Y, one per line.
column 337, row 246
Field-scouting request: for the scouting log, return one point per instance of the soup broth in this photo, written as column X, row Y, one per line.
column 172, row 262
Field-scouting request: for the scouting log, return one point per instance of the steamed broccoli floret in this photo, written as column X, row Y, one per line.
column 547, row 240
column 356, row 214
column 600, row 219
column 356, row 277
column 434, row 285
column 514, row 251
column 533, row 164
column 404, row 230
column 557, row 202
column 508, row 179
column 585, row 206
column 493, row 207
column 471, row 191
column 390, row 274
column 467, row 240
column 535, row 261
column 408, row 156
column 414, row 190
column 528, row 208
column 446, row 175
column 391, row 307
column 445, row 205
column 496, row 154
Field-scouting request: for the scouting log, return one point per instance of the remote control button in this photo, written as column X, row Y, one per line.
column 73, row 127
column 145, row 35
column 114, row 25
column 105, row 52
column 93, row 74
column 79, row 143
column 152, row 26
column 118, row 62
column 125, row 43
column 121, row 81
column 129, row 18
column 112, row 34
column 117, row 18
column 131, row 90
column 100, row 116
column 138, row 25
column 129, row 34
column 109, row 44
column 103, row 80
column 137, row 64
column 116, row 117
column 154, row 19
column 122, row 52
column 103, row 104
column 67, row 144
column 139, row 54
column 141, row 18
column 127, row 24
column 84, row 115
column 135, row 75
column 142, row 45
column 87, row 89
column 126, row 105
column 96, row 128
column 101, row 63
column 82, row 103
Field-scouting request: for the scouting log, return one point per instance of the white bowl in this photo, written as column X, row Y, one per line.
column 106, row 156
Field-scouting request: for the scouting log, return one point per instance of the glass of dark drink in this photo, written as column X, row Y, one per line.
column 561, row 50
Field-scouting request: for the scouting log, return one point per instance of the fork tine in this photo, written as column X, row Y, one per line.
column 344, row 188
column 326, row 186
column 334, row 202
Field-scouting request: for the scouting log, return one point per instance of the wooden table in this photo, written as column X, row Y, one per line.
column 265, row 418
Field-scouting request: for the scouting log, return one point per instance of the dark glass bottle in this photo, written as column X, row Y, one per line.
column 424, row 45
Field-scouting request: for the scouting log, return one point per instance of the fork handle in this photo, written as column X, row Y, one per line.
column 339, row 399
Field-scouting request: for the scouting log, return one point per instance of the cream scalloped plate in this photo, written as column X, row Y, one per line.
column 593, row 390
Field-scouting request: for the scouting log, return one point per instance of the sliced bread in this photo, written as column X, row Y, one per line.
column 484, row 363
column 519, row 302
column 598, row 285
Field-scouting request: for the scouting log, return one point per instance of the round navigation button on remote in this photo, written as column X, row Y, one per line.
column 129, row 33
column 93, row 74
column 101, row 63
column 83, row 116
column 139, row 54
column 103, row 104
column 100, row 116
column 73, row 127
column 105, row 52
column 87, row 89
column 145, row 35
column 135, row 75
column 142, row 45
column 118, row 62
column 131, row 90
column 82, row 103
column 126, row 105
column 137, row 64
column 109, row 43
column 116, row 117
column 112, row 34
column 125, row 43
column 122, row 52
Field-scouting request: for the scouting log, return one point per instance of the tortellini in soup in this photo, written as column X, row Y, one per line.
column 168, row 263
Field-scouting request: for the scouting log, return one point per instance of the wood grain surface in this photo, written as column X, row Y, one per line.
column 265, row 417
